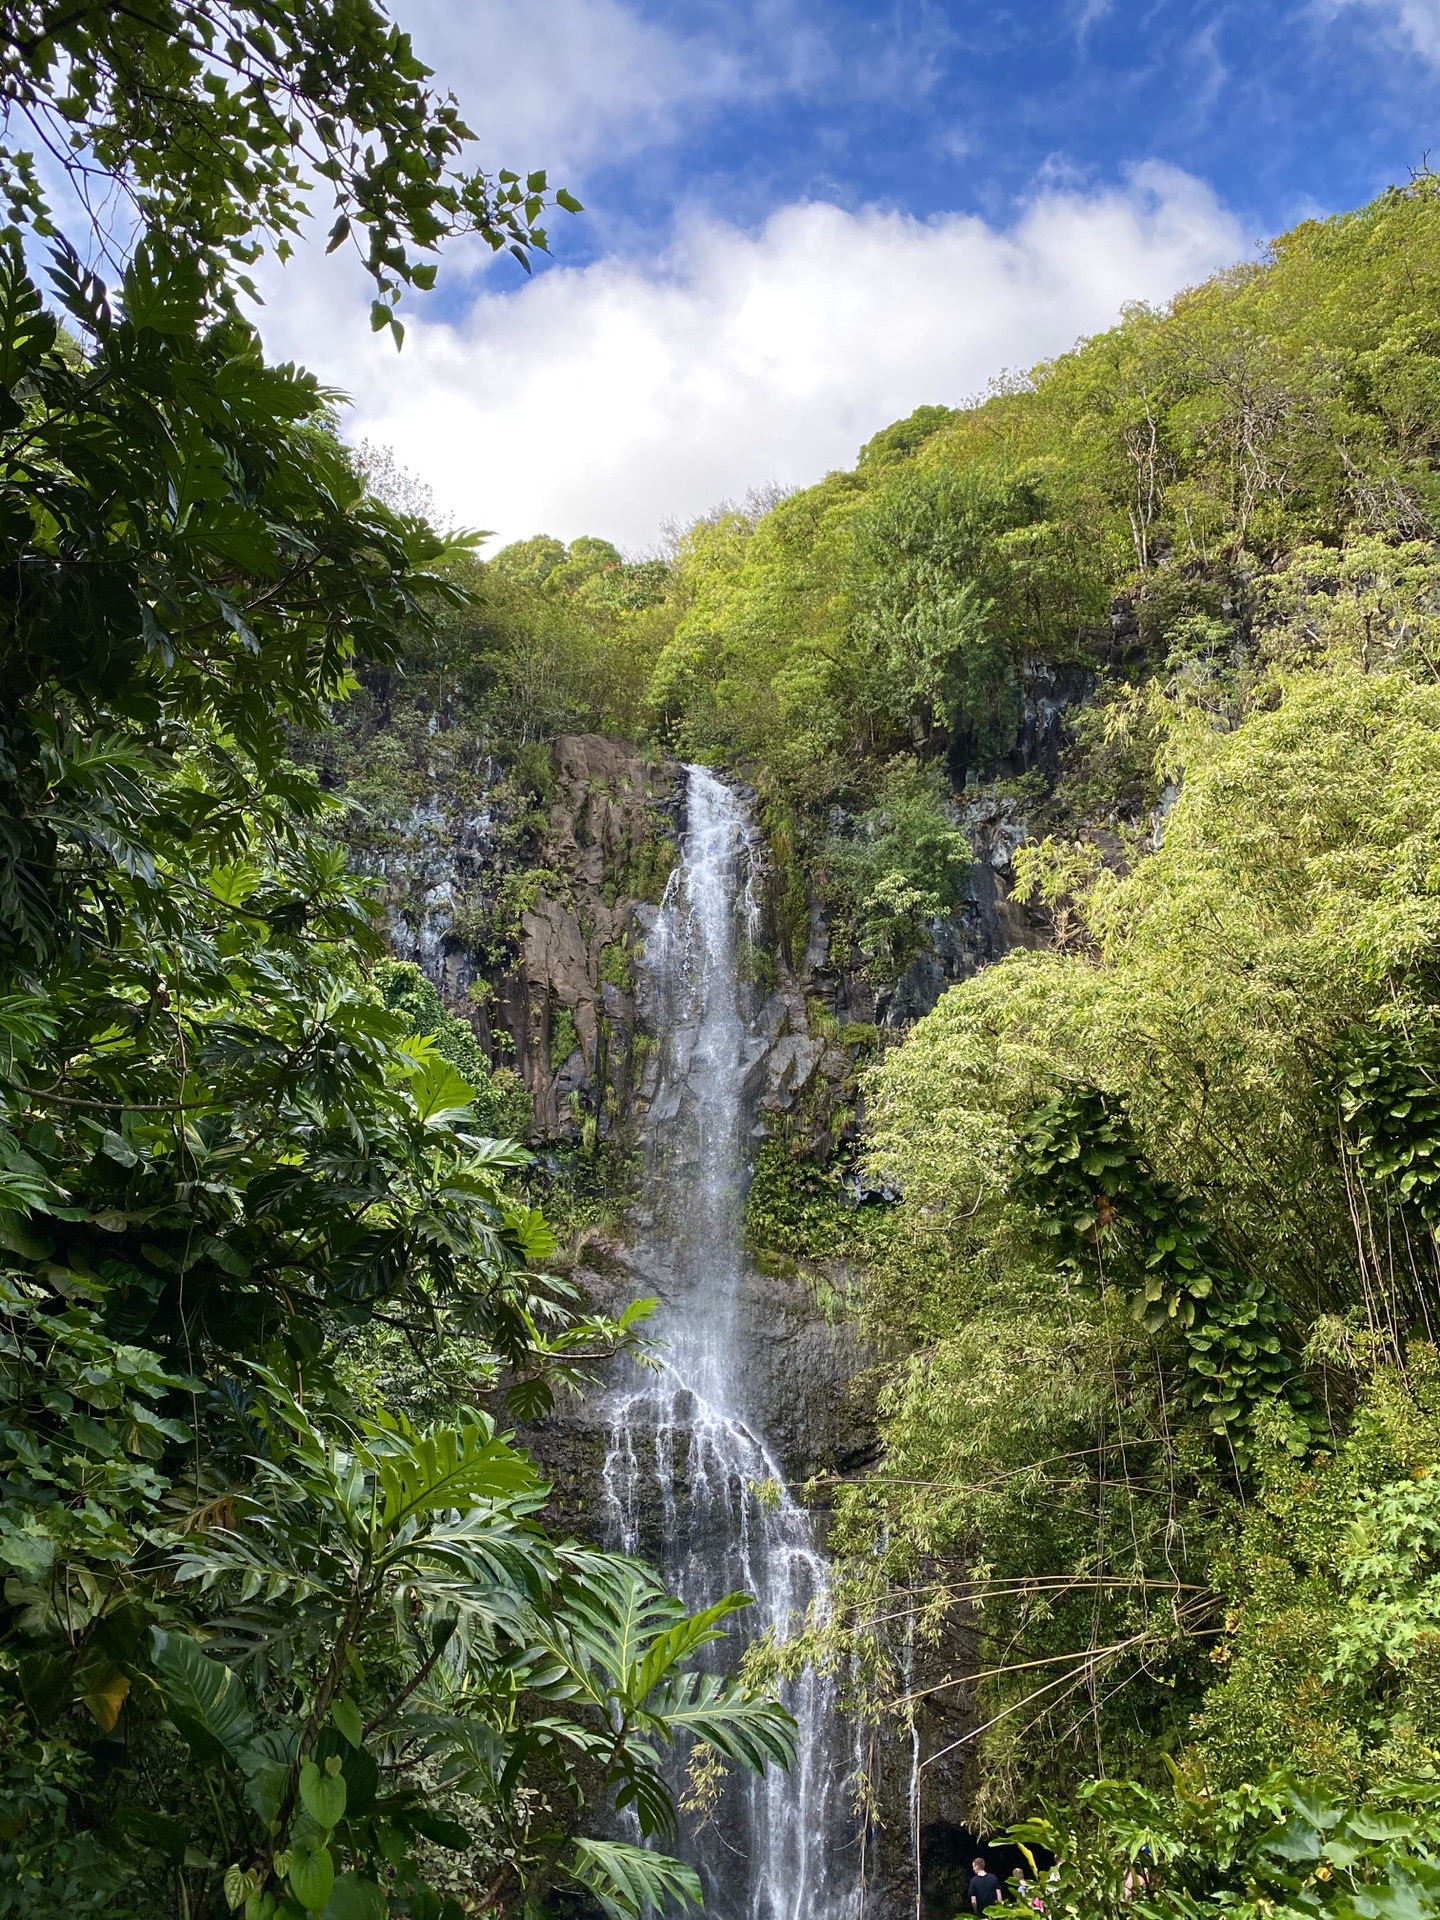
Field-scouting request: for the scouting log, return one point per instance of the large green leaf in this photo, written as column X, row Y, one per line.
column 441, row 1095
column 448, row 1466
column 27, row 332
column 355, row 1899
column 614, row 1610
column 720, row 1711
column 436, row 1827
column 312, row 1872
column 640, row 1788
column 163, row 290
column 323, row 1793
column 204, row 1698
column 676, row 1643
column 631, row 1881
column 1409, row 1891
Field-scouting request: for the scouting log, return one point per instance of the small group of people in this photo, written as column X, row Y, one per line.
column 985, row 1889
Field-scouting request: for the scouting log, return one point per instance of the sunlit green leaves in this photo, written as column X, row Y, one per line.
column 1279, row 1845
column 448, row 1467
column 27, row 332
column 631, row 1881
column 619, row 1642
column 216, row 1139
column 1112, row 1222
column 257, row 86
column 755, row 1732
column 440, row 1094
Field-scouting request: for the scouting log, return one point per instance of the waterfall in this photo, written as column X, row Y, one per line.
column 689, row 1480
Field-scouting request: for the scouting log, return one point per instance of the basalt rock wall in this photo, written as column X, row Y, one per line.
column 557, row 989
column 566, row 1007
column 541, row 950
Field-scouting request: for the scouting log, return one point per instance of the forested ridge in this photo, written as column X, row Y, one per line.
column 1148, row 1264
column 1157, row 1308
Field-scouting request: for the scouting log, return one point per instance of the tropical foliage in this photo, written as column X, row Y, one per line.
column 1157, row 1308
column 269, row 1642
column 1154, row 1314
column 1255, row 460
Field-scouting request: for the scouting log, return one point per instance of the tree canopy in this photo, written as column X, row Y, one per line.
column 216, row 125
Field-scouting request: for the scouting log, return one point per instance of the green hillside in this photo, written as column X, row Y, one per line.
column 1185, row 507
column 1160, row 1299
column 1140, row 1224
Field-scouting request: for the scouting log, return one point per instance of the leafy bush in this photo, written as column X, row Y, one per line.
column 903, row 867
column 1151, row 1119
column 500, row 1103
column 1283, row 1845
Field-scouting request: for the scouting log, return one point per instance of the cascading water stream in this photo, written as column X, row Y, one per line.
column 688, row 1480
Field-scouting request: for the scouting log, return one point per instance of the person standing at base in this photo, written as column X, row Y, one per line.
column 984, row 1887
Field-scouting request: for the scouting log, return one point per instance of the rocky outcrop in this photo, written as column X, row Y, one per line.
column 805, row 1394
column 538, row 940
column 558, row 988
column 430, row 864
column 989, row 922
column 565, row 1007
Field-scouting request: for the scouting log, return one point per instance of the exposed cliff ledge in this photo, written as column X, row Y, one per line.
column 568, row 1006
column 531, row 918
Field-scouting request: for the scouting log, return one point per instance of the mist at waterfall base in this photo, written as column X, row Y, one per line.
column 689, row 1481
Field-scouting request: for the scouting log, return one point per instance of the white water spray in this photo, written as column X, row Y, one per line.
column 688, row 1479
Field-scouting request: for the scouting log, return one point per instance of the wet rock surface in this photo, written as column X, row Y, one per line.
column 575, row 1009
column 556, row 986
column 609, row 845
column 805, row 1388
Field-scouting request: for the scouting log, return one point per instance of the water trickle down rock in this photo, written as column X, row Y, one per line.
column 579, row 945
column 688, row 1477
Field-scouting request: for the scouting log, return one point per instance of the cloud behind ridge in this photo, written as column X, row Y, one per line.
column 610, row 398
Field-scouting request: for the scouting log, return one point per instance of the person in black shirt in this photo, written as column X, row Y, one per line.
column 984, row 1887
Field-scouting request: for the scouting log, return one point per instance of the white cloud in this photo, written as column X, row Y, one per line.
column 584, row 80
column 1416, row 22
column 609, row 398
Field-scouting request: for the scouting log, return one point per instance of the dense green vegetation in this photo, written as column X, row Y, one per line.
column 1160, row 1413
column 1160, row 1407
column 1170, row 503
column 1158, row 1308
column 1156, row 1314
column 275, row 1636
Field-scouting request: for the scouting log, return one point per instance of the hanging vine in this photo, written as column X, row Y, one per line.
column 1113, row 1222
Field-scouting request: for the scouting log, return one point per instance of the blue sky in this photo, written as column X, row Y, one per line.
column 1284, row 109
column 807, row 216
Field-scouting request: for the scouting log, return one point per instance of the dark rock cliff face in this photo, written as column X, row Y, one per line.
column 989, row 923
column 807, row 1399
column 557, row 989
column 562, row 995
column 568, row 1008
column 552, row 982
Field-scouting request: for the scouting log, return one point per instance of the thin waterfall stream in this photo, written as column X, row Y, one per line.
column 689, row 1480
